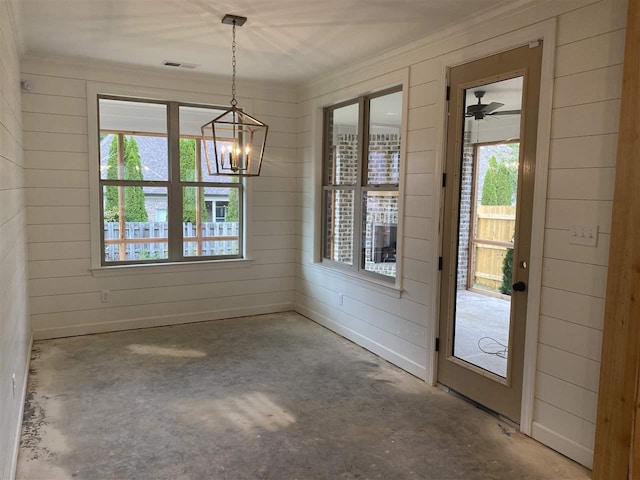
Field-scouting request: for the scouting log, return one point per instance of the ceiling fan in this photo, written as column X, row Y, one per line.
column 481, row 110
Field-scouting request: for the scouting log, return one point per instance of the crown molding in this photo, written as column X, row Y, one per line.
column 470, row 29
column 204, row 81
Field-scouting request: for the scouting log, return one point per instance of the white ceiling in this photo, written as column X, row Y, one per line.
column 508, row 92
column 291, row 40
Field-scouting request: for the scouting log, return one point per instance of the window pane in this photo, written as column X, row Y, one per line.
column 380, row 225
column 339, row 210
column 133, row 141
column 385, row 117
column 194, row 166
column 135, row 223
column 342, row 152
column 211, row 224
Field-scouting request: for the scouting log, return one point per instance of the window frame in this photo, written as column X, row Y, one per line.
column 362, row 185
column 174, row 184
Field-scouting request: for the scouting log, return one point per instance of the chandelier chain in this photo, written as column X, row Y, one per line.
column 234, row 102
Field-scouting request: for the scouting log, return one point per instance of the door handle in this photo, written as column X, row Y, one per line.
column 519, row 287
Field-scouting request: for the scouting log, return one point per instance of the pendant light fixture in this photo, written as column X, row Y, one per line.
column 234, row 141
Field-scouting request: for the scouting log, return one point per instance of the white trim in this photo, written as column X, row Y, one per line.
column 317, row 127
column 378, row 286
column 489, row 16
column 481, row 28
column 93, row 89
column 190, row 81
column 158, row 321
column 16, row 20
column 16, row 444
column 545, row 109
column 100, row 88
column 392, row 79
column 562, row 444
column 547, row 32
column 364, row 342
column 169, row 267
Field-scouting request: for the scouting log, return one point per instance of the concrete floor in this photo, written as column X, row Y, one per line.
column 479, row 316
column 266, row 397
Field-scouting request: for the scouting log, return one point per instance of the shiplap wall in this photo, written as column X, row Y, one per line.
column 14, row 320
column 586, row 110
column 391, row 325
column 580, row 188
column 64, row 295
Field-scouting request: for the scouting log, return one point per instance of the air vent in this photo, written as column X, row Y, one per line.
column 172, row 63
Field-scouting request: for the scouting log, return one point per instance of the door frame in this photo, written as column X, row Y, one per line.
column 545, row 31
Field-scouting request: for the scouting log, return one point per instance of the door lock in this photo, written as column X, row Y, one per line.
column 519, row 287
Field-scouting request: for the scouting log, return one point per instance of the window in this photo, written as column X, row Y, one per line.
column 361, row 173
column 157, row 193
column 221, row 211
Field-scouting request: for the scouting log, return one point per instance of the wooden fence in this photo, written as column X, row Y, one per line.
column 148, row 240
column 495, row 227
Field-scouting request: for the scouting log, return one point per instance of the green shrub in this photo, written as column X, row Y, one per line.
column 507, row 272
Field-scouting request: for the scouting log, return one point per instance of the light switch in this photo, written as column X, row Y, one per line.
column 583, row 235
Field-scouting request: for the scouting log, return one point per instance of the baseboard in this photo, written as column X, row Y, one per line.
column 16, row 445
column 564, row 445
column 157, row 321
column 374, row 347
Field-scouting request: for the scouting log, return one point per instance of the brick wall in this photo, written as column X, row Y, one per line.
column 465, row 210
column 381, row 209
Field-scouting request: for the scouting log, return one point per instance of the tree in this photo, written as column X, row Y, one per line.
column 111, row 203
column 188, row 173
column 134, row 207
column 234, row 204
column 498, row 185
column 499, row 189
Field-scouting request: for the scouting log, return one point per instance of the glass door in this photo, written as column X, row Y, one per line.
column 488, row 197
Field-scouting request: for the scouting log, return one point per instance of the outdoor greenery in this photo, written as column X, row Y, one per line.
column 135, row 210
column 500, row 188
column 499, row 184
column 234, row 204
column 507, row 272
column 111, row 203
column 134, row 207
column 188, row 174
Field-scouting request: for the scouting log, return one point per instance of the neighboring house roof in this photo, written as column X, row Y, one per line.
column 153, row 154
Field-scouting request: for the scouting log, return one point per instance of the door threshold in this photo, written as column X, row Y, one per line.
column 493, row 413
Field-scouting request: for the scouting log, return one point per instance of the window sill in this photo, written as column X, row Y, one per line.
column 172, row 267
column 378, row 286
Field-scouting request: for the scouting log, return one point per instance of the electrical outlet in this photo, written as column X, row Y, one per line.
column 586, row 235
column 105, row 296
column 340, row 299
column 13, row 384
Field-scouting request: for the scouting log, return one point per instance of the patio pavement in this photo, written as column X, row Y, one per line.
column 479, row 316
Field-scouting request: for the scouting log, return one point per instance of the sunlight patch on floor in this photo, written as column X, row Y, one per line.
column 249, row 413
column 166, row 351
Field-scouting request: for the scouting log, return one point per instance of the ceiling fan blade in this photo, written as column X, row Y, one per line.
column 492, row 106
column 507, row 112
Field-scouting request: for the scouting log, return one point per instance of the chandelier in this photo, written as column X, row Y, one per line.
column 234, row 141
